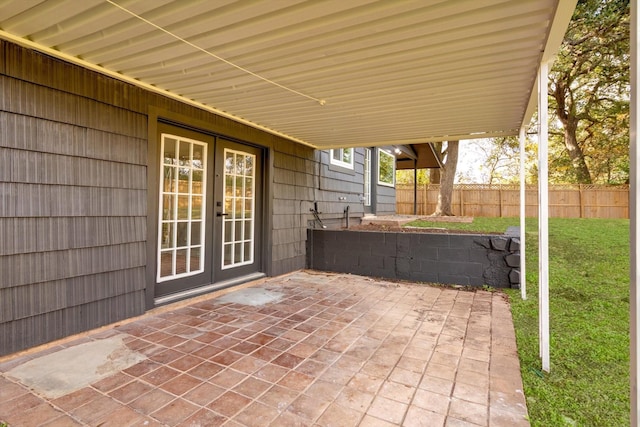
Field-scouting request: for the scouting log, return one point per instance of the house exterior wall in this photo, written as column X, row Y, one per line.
column 385, row 197
column 340, row 187
column 77, row 196
column 72, row 201
column 385, row 200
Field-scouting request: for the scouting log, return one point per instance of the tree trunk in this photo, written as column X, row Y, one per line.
column 434, row 176
column 448, row 173
column 567, row 115
column 575, row 151
column 434, row 173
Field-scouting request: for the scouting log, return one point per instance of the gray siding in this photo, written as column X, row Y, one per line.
column 72, row 204
column 385, row 200
column 338, row 188
column 293, row 177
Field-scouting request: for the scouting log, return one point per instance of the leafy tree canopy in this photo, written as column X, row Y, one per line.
column 589, row 96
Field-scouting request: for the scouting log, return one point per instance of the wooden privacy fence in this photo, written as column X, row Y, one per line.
column 565, row 201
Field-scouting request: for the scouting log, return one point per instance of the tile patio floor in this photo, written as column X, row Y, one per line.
column 335, row 350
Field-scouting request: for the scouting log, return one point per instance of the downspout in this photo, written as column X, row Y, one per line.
column 346, row 214
column 316, row 215
column 318, row 168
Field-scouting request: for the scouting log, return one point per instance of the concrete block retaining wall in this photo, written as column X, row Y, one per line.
column 461, row 259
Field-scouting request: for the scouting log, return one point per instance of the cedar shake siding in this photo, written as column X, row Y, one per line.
column 79, row 195
column 385, row 200
column 73, row 209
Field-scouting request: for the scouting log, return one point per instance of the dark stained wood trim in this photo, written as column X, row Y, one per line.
column 3, row 57
column 152, row 207
column 267, row 214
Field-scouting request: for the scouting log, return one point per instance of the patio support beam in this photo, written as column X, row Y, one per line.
column 523, row 213
column 543, row 214
column 415, row 186
column 634, row 216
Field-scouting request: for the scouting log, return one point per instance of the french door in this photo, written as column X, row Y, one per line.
column 209, row 218
column 238, row 210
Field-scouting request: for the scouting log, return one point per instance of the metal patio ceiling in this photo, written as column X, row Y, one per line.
column 331, row 73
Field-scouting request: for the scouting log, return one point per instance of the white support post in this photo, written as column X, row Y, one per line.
column 634, row 216
column 543, row 215
column 523, row 213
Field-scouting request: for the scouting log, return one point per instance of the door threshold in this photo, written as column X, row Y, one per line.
column 167, row 299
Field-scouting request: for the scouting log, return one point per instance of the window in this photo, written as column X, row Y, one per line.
column 182, row 207
column 342, row 157
column 367, row 177
column 386, row 168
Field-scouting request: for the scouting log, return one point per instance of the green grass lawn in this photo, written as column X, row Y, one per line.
column 589, row 321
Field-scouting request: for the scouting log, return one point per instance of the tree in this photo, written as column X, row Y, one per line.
column 589, row 95
column 496, row 161
column 434, row 173
column 501, row 159
column 406, row 176
column 449, row 159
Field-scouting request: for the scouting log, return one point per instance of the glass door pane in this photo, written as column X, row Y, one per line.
column 182, row 208
column 238, row 208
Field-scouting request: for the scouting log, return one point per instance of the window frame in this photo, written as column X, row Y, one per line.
column 393, row 173
column 173, row 247
column 232, row 217
column 342, row 163
column 367, row 176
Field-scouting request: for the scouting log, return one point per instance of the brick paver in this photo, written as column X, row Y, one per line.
column 335, row 350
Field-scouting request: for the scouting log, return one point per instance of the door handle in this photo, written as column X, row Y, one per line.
column 222, row 214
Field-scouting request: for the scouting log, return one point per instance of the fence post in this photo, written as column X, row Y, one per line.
column 415, row 188
column 461, row 189
column 500, row 200
column 581, row 198
column 424, row 199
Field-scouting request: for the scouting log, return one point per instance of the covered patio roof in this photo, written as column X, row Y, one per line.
column 327, row 74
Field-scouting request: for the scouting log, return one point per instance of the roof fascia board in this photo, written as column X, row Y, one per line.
column 437, row 157
column 407, row 149
column 421, row 140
